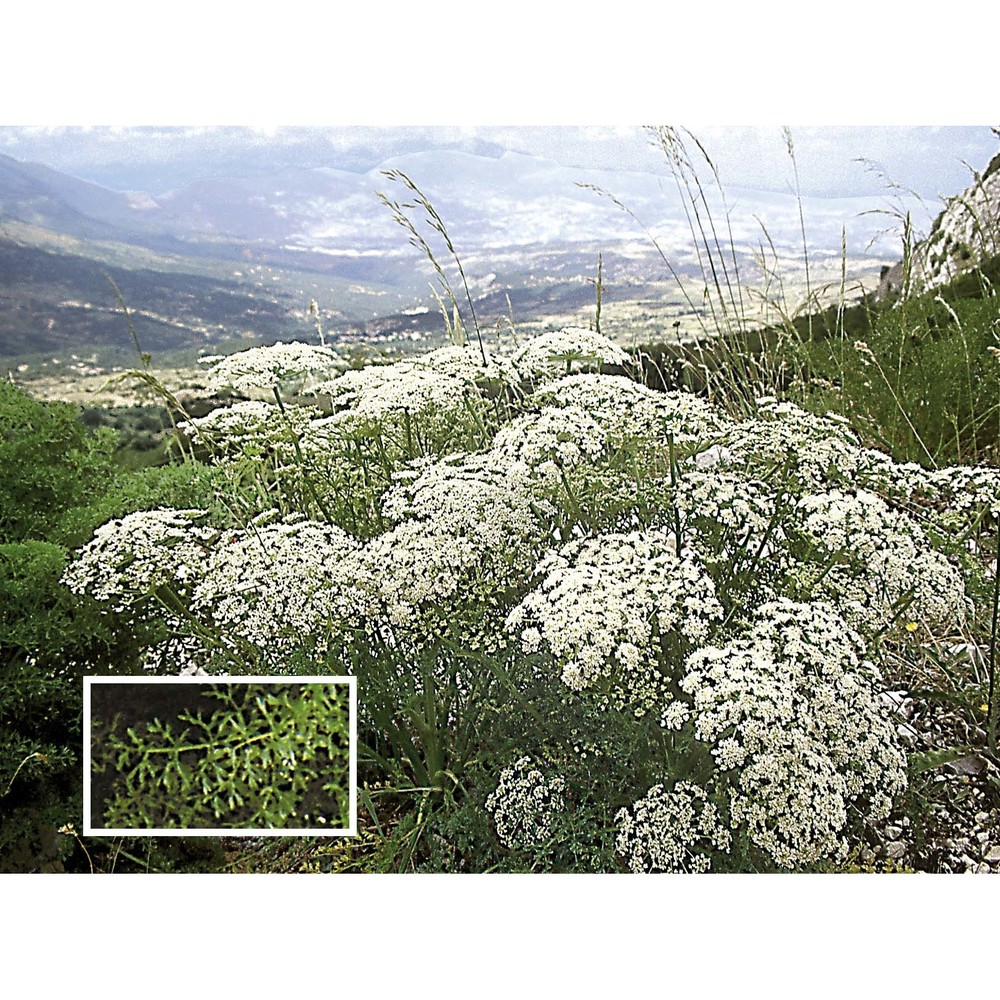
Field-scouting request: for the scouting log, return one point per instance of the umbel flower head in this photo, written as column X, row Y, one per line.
column 278, row 584
column 249, row 428
column 671, row 831
column 288, row 368
column 562, row 352
column 456, row 520
column 132, row 557
column 627, row 410
column 888, row 564
column 419, row 407
column 797, row 730
column 373, row 392
column 603, row 604
column 466, row 362
column 525, row 803
column 554, row 439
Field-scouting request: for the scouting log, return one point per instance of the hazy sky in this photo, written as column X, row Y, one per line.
column 925, row 159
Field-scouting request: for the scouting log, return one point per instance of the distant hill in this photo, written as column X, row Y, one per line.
column 53, row 301
column 242, row 257
column 37, row 195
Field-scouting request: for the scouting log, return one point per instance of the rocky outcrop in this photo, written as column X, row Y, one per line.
column 964, row 234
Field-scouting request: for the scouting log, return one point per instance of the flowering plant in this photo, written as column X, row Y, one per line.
column 573, row 600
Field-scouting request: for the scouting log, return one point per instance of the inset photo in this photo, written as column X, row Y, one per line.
column 208, row 756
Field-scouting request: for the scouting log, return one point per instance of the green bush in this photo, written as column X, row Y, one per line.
column 51, row 464
column 40, row 737
column 60, row 481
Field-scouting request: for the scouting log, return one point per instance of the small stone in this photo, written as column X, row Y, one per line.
column 895, row 849
column 993, row 856
column 982, row 817
column 867, row 856
column 982, row 836
column 983, row 869
column 973, row 764
column 894, row 832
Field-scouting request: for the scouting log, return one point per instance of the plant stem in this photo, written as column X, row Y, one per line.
column 306, row 478
column 31, row 756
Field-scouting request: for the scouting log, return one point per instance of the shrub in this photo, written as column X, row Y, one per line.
column 52, row 464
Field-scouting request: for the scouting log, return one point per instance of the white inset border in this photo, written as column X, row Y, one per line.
column 218, row 680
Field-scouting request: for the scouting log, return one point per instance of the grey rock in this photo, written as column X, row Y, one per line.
column 993, row 856
column 973, row 764
column 895, row 849
column 953, row 245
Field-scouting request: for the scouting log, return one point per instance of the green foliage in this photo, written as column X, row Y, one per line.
column 60, row 481
column 52, row 464
column 269, row 757
column 917, row 378
column 36, row 612
column 40, row 733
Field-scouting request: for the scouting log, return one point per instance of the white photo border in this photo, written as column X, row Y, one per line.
column 216, row 679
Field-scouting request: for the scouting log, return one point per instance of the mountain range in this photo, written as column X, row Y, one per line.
column 241, row 257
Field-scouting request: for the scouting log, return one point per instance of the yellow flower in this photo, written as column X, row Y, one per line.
column 984, row 708
column 911, row 626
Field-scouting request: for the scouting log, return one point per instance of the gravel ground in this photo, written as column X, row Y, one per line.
column 949, row 821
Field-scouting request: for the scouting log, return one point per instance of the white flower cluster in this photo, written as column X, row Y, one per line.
column 562, row 352
column 816, row 450
column 291, row 369
column 948, row 499
column 745, row 507
column 277, row 585
column 793, row 803
column 387, row 394
column 792, row 712
column 628, row 410
column 134, row 556
column 554, row 439
column 249, row 428
column 671, row 831
column 459, row 520
column 603, row 603
column 887, row 565
column 466, row 363
column 967, row 488
column 525, row 803
column 480, row 495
